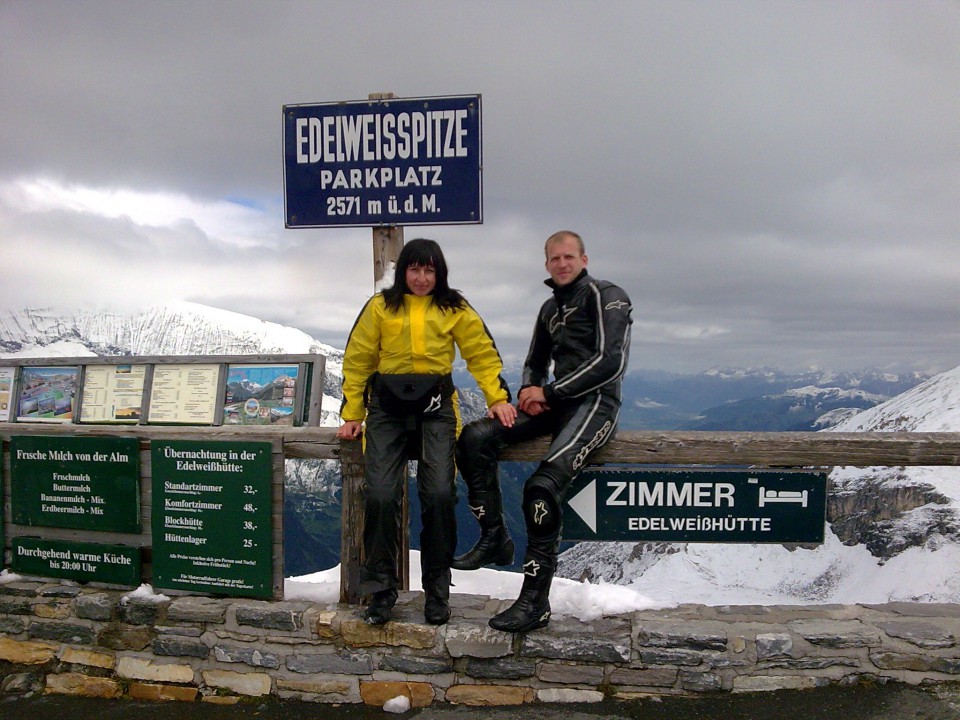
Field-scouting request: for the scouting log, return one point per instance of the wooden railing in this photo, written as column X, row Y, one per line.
column 762, row 449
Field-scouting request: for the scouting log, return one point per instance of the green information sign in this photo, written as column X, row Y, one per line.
column 212, row 523
column 86, row 483
column 747, row 506
column 88, row 562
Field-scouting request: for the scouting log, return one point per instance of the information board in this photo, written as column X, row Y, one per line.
column 211, row 521
column 47, row 394
column 112, row 393
column 265, row 394
column 184, row 394
column 87, row 483
column 752, row 506
column 411, row 161
column 86, row 562
column 7, row 375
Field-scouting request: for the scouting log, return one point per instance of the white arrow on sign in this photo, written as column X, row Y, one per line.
column 585, row 505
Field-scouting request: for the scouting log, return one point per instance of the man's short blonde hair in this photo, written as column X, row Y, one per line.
column 562, row 235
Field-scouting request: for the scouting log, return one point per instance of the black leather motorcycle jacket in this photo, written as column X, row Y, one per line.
column 583, row 330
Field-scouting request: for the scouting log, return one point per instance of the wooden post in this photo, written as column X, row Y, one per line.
column 387, row 243
column 351, row 520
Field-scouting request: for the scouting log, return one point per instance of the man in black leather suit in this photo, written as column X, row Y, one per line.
column 583, row 331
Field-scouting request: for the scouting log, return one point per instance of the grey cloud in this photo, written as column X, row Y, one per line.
column 772, row 182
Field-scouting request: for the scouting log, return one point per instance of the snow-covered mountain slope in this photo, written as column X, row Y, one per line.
column 182, row 328
column 932, row 406
column 893, row 533
column 892, row 509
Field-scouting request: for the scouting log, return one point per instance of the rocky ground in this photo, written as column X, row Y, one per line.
column 891, row 701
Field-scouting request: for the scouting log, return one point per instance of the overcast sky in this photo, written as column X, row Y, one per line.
column 773, row 183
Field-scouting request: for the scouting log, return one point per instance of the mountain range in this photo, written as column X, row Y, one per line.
column 893, row 533
column 883, row 514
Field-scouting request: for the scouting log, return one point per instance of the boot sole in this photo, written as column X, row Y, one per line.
column 502, row 560
column 535, row 625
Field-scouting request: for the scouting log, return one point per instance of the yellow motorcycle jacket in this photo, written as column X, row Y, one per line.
column 418, row 339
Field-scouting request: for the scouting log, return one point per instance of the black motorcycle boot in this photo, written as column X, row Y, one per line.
column 531, row 610
column 380, row 609
column 495, row 546
column 436, row 604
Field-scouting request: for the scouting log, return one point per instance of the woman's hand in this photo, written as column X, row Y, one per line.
column 504, row 412
column 350, row 430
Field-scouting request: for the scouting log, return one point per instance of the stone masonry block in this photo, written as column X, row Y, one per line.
column 79, row 684
column 96, row 606
column 644, row 677
column 377, row 693
column 251, row 684
column 286, row 616
column 89, row 658
column 339, row 663
column 148, row 691
column 774, row 645
column 357, row 633
column 836, row 633
column 20, row 652
column 180, row 646
column 686, row 635
column 489, row 695
column 249, row 655
column 501, row 668
column 569, row 695
column 198, row 609
column 61, row 632
column 135, row 668
column 574, row 674
column 472, row 640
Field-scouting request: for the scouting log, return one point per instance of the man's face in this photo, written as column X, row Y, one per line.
column 564, row 261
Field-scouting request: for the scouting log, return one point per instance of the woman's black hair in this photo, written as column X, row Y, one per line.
column 422, row 252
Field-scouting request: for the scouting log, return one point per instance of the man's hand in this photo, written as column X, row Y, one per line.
column 532, row 400
column 350, row 430
column 504, row 412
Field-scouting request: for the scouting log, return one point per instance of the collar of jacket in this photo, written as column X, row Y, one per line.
column 565, row 291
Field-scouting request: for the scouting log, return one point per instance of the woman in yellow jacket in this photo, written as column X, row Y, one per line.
column 397, row 379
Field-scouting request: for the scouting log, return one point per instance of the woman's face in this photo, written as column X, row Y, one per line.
column 421, row 279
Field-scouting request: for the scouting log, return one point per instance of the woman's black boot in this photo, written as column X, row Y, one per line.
column 380, row 608
column 436, row 604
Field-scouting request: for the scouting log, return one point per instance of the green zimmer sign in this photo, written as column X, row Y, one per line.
column 116, row 564
column 86, row 483
column 749, row 506
column 212, row 523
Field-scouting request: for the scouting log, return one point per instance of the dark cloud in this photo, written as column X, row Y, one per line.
column 773, row 182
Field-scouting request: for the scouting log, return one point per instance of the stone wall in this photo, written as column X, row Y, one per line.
column 85, row 641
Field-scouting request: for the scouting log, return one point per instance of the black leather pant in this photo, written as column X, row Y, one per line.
column 389, row 442
column 578, row 428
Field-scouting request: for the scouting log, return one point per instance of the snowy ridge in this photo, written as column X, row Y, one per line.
column 181, row 328
column 932, row 406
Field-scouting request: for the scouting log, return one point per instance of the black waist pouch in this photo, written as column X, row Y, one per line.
column 404, row 394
